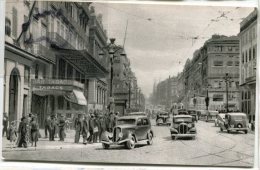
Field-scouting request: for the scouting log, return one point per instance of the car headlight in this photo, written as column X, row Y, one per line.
column 189, row 125
column 120, row 135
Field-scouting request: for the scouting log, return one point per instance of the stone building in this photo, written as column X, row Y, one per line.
column 48, row 63
column 248, row 55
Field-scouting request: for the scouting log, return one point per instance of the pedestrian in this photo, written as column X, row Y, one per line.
column 85, row 129
column 12, row 134
column 34, row 131
column 95, row 129
column 116, row 118
column 22, row 130
column 103, row 126
column 56, row 127
column 78, row 128
column 91, row 128
column 5, row 124
column 61, row 128
column 111, row 121
column 52, row 128
column 47, row 122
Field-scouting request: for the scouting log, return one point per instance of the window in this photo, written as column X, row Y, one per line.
column 242, row 58
column 246, row 57
column 249, row 56
column 78, row 76
column 14, row 25
column 36, row 71
column 254, row 53
column 229, row 63
column 43, row 34
column 58, row 27
column 69, row 72
column 236, row 63
column 218, row 97
column 229, row 48
column 218, row 63
column 61, row 70
column 26, row 75
column 145, row 122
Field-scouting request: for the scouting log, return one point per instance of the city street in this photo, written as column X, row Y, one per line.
column 211, row 147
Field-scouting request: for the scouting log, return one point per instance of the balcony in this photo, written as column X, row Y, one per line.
column 55, row 38
column 43, row 52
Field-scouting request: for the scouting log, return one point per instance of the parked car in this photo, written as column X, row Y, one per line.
column 129, row 131
column 163, row 118
column 220, row 119
column 194, row 115
column 183, row 126
column 235, row 122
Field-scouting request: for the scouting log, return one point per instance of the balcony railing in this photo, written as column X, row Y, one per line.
column 42, row 51
column 55, row 38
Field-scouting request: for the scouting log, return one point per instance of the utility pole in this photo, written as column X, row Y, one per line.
column 227, row 79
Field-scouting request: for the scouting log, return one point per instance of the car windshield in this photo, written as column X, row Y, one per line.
column 182, row 119
column 126, row 121
column 163, row 114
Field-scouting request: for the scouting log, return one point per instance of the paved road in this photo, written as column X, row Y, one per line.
column 211, row 147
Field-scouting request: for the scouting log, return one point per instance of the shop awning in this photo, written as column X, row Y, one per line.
column 76, row 97
column 83, row 61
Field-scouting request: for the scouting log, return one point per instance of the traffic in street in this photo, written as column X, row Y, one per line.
column 210, row 147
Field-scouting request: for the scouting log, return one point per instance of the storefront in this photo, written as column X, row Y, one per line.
column 57, row 97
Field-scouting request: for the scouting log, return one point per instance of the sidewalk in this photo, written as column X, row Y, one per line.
column 44, row 143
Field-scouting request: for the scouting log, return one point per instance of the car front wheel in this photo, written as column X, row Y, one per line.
column 105, row 146
column 150, row 139
column 131, row 143
column 173, row 137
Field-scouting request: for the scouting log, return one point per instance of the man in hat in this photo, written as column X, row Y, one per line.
column 85, row 129
column 61, row 128
column 47, row 123
column 91, row 128
column 78, row 128
column 22, row 130
column 52, row 128
column 5, row 124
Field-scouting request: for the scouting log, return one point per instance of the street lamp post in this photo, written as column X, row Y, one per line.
column 112, row 49
column 227, row 79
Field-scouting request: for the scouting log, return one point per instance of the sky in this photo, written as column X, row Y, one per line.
column 159, row 38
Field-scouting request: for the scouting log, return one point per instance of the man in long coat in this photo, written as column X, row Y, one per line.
column 61, row 128
column 85, row 129
column 23, row 132
column 52, row 128
column 78, row 128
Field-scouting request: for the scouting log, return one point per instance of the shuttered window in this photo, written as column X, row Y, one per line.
column 14, row 25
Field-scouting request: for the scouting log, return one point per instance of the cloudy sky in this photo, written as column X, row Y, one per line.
column 159, row 38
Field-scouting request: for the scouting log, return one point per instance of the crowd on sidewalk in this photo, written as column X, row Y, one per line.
column 88, row 126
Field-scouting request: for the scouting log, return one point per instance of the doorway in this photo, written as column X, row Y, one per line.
column 13, row 95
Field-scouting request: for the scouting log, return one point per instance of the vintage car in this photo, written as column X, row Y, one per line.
column 220, row 119
column 234, row 122
column 129, row 131
column 211, row 116
column 163, row 118
column 194, row 115
column 182, row 112
column 183, row 126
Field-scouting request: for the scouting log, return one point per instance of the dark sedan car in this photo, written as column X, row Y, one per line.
column 129, row 131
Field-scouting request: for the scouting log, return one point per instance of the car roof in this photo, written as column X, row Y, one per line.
column 237, row 114
column 178, row 116
column 132, row 117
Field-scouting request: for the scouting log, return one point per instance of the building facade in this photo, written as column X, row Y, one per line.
column 49, row 67
column 248, row 55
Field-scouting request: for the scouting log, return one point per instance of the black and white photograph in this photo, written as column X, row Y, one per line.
column 129, row 83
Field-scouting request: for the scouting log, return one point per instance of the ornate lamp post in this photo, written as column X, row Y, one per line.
column 112, row 49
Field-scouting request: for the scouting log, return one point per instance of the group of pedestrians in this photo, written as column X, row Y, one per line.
column 89, row 126
column 55, row 126
column 27, row 132
column 92, row 126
